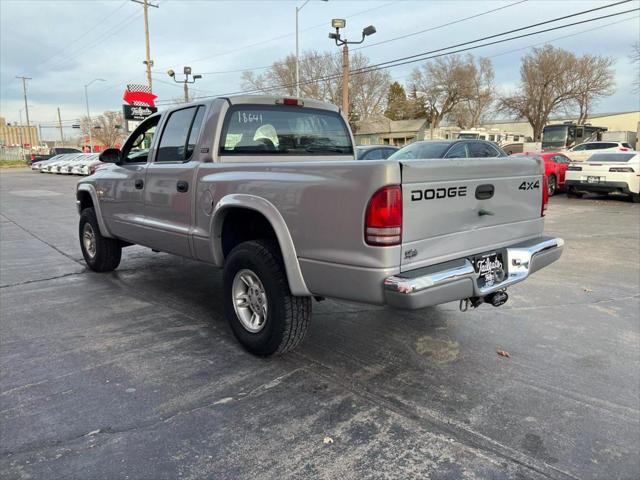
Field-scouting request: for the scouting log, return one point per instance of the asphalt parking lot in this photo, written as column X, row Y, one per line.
column 135, row 374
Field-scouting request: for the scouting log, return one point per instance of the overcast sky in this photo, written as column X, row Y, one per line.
column 63, row 45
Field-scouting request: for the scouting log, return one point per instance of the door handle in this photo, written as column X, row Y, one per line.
column 182, row 186
column 484, row 192
column 139, row 184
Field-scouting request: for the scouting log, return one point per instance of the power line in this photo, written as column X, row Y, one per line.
column 90, row 30
column 107, row 34
column 439, row 26
column 286, row 35
column 264, row 67
column 422, row 57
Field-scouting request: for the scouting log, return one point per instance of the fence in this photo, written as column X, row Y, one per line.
column 13, row 153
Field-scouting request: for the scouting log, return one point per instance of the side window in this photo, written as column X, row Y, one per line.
column 373, row 154
column 482, row 150
column 579, row 148
column 459, row 150
column 561, row 159
column 626, row 145
column 173, row 143
column 136, row 148
column 387, row 152
column 194, row 134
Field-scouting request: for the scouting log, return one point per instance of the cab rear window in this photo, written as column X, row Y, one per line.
column 284, row 130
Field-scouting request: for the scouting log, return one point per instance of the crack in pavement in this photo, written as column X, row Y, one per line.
column 444, row 426
column 43, row 240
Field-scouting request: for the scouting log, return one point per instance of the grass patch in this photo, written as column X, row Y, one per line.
column 13, row 163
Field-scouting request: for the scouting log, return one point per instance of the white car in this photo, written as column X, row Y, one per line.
column 582, row 152
column 50, row 165
column 617, row 173
column 86, row 166
column 65, row 165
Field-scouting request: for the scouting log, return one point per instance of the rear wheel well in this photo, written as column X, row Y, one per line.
column 85, row 200
column 242, row 225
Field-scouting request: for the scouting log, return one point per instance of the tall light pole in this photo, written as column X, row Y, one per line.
column 26, row 107
column 298, row 48
column 339, row 23
column 186, row 81
column 86, row 98
column 148, row 62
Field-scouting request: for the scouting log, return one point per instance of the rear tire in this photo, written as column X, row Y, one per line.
column 263, row 314
column 100, row 253
column 551, row 185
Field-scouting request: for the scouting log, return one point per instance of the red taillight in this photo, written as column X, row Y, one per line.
column 545, row 195
column 623, row 149
column 383, row 219
column 290, row 101
column 32, row 156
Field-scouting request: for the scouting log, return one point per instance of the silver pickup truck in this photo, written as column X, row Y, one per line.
column 269, row 189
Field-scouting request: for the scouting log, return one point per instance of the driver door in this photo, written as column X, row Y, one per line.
column 121, row 191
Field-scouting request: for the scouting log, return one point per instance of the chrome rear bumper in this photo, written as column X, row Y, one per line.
column 457, row 279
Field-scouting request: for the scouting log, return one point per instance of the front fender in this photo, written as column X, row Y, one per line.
column 87, row 187
column 297, row 284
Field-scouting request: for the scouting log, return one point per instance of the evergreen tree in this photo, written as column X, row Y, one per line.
column 396, row 102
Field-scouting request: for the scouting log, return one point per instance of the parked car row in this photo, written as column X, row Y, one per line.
column 69, row 164
column 599, row 167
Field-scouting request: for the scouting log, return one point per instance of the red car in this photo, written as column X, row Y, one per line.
column 555, row 166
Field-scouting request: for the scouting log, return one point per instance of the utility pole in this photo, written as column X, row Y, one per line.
column 60, row 127
column 186, row 92
column 339, row 23
column 345, row 80
column 26, row 107
column 148, row 62
column 86, row 98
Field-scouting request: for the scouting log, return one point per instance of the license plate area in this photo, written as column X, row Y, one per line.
column 593, row 179
column 489, row 268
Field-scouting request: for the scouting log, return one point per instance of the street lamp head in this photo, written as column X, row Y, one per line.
column 370, row 30
column 171, row 73
column 196, row 77
column 187, row 70
column 334, row 36
column 338, row 23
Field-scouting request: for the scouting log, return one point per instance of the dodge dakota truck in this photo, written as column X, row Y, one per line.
column 269, row 189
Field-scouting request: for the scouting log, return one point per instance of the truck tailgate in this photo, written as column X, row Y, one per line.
column 453, row 208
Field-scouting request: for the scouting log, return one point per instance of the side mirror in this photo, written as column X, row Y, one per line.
column 110, row 155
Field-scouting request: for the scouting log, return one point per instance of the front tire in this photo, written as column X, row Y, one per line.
column 263, row 314
column 100, row 253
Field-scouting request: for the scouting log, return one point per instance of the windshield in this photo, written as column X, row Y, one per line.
column 284, row 130
column 554, row 136
column 421, row 150
column 468, row 136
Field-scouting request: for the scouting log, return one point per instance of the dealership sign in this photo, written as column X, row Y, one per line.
column 140, row 103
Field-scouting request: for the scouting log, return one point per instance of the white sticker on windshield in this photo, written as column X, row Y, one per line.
column 248, row 117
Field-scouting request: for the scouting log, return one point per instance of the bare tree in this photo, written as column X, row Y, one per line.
column 443, row 84
column 106, row 129
column 474, row 110
column 547, row 83
column 635, row 59
column 321, row 79
column 594, row 81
